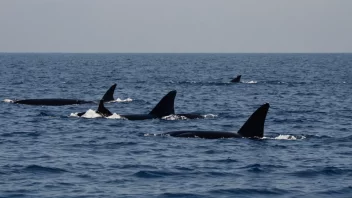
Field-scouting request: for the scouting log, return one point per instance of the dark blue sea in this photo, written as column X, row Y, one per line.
column 46, row 151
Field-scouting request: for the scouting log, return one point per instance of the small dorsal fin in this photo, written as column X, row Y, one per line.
column 237, row 79
column 166, row 105
column 102, row 110
column 109, row 95
column 254, row 126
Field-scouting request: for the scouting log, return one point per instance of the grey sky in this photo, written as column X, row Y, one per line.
column 175, row 25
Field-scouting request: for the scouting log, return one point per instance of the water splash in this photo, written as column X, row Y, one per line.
column 286, row 137
column 88, row 114
column 123, row 100
column 151, row 134
column 92, row 114
column 250, row 82
column 210, row 116
column 115, row 116
column 8, row 100
column 174, row 117
column 74, row 114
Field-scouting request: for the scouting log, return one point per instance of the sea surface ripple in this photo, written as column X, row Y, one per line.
column 47, row 152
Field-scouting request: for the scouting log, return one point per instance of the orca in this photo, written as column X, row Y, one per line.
column 108, row 96
column 165, row 107
column 188, row 115
column 237, row 79
column 252, row 128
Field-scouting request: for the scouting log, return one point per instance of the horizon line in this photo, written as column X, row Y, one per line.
column 24, row 52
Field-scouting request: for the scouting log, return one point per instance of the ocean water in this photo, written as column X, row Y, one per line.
column 45, row 151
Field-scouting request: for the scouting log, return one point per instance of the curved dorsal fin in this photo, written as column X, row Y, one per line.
column 166, row 105
column 254, row 126
column 109, row 95
column 237, row 79
column 102, row 110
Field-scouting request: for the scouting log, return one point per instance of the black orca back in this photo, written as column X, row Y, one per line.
column 253, row 127
column 166, row 105
column 51, row 102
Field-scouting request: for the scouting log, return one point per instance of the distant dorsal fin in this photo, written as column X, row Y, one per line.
column 254, row 126
column 109, row 95
column 237, row 79
column 166, row 105
column 102, row 110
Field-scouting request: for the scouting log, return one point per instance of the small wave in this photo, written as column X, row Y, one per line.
column 250, row 82
column 74, row 114
column 337, row 192
column 258, row 168
column 327, row 171
column 182, row 82
column 45, row 114
column 28, row 134
column 150, row 134
column 92, row 114
column 181, row 117
column 228, row 160
column 174, row 117
column 153, row 174
column 88, row 114
column 255, row 168
column 210, row 116
column 8, row 100
column 275, row 82
column 133, row 166
column 123, row 100
column 43, row 169
column 286, row 137
column 249, row 191
column 115, row 116
column 180, row 194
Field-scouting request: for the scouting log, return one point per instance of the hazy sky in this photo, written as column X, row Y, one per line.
column 175, row 25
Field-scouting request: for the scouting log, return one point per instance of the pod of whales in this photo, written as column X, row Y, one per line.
column 252, row 128
column 108, row 96
column 165, row 107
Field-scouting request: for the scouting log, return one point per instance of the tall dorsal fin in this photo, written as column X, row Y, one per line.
column 166, row 105
column 237, row 79
column 109, row 95
column 254, row 126
column 102, row 110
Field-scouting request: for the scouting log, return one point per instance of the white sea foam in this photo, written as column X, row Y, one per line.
column 88, row 114
column 150, row 134
column 174, row 117
column 115, row 116
column 286, row 137
column 92, row 114
column 250, row 82
column 74, row 114
column 123, row 100
column 210, row 116
column 8, row 100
